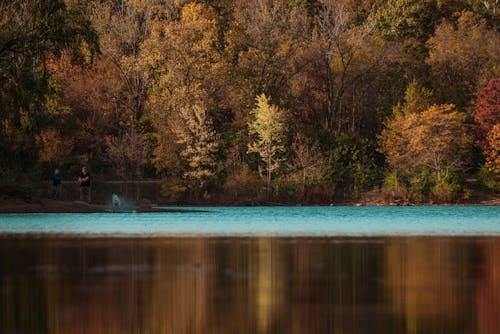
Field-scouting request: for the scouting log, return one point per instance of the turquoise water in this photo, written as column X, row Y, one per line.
column 267, row 221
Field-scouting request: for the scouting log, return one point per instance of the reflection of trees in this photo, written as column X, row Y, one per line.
column 159, row 288
column 488, row 295
column 268, row 286
column 177, row 301
column 250, row 285
column 424, row 278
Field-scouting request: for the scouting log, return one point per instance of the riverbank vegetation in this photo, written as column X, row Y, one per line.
column 252, row 101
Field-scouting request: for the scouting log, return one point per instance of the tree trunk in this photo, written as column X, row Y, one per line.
column 303, row 183
column 268, row 176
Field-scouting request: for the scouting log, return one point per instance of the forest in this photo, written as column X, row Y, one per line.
column 253, row 101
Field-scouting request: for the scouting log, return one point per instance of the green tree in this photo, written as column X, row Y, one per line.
column 401, row 19
column 268, row 129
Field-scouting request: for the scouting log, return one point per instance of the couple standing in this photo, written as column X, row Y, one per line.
column 83, row 180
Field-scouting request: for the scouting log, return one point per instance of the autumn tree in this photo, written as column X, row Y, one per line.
column 493, row 151
column 463, row 57
column 400, row 19
column 267, row 43
column 345, row 55
column 307, row 160
column 417, row 98
column 31, row 33
column 436, row 139
column 268, row 129
column 181, row 56
column 487, row 113
column 123, row 26
column 86, row 110
column 128, row 154
column 199, row 144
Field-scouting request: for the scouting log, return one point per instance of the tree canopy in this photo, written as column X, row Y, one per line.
column 210, row 95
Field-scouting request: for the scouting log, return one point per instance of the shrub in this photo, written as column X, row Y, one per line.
column 448, row 189
column 489, row 178
column 422, row 185
column 242, row 184
column 396, row 187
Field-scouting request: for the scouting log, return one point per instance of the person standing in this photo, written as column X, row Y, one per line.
column 56, row 182
column 84, row 180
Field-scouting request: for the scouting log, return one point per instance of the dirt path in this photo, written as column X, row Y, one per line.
column 40, row 205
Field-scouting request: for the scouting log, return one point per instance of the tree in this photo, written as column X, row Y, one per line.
column 487, row 113
column 268, row 129
column 345, row 58
column 87, row 109
column 493, row 152
column 417, row 98
column 307, row 159
column 463, row 57
column 436, row 139
column 182, row 58
column 31, row 34
column 267, row 42
column 128, row 154
column 199, row 144
column 400, row 19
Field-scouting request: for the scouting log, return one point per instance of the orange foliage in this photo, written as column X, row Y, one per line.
column 436, row 138
column 493, row 152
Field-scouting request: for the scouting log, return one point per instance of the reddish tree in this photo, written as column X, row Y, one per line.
column 487, row 111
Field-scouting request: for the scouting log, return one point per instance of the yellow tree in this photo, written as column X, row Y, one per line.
column 437, row 139
column 493, row 152
column 188, row 72
column 268, row 128
column 199, row 143
column 182, row 58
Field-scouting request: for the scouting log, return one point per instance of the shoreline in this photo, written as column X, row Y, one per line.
column 41, row 205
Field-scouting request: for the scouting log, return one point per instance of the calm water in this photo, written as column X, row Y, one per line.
column 253, row 270
column 250, row 285
column 266, row 221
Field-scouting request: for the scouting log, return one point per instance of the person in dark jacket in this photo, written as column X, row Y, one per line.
column 56, row 182
column 84, row 180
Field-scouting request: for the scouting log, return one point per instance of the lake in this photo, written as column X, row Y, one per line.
column 266, row 221
column 253, row 270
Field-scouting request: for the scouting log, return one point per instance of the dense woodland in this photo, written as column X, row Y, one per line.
column 254, row 100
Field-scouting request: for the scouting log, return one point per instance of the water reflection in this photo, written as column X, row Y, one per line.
column 250, row 285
